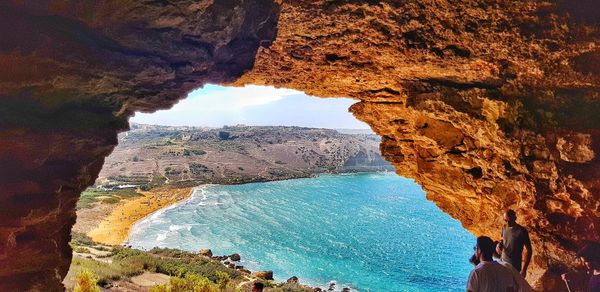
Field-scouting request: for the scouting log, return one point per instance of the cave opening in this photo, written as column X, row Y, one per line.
column 488, row 107
column 262, row 152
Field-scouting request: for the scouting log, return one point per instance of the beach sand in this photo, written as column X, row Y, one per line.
column 115, row 228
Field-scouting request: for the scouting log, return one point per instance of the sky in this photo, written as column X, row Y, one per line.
column 216, row 106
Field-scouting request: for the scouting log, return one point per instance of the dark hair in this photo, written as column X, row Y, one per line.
column 590, row 252
column 474, row 260
column 511, row 213
column 259, row 285
column 486, row 246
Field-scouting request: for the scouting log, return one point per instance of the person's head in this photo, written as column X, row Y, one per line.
column 257, row 287
column 510, row 217
column 484, row 249
column 590, row 253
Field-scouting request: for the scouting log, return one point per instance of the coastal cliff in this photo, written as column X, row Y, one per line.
column 487, row 104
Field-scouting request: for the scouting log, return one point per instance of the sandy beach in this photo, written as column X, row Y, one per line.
column 115, row 228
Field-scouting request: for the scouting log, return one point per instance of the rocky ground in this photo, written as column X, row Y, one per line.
column 124, row 269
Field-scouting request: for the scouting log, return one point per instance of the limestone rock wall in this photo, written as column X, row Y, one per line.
column 488, row 104
column 72, row 73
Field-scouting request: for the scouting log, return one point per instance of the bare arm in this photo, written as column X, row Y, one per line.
column 528, row 254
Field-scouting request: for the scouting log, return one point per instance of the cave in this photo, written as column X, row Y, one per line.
column 488, row 105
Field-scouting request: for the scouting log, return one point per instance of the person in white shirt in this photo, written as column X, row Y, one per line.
column 488, row 275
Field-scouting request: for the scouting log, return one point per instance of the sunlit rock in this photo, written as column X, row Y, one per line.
column 487, row 105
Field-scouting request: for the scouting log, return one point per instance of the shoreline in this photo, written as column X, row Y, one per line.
column 115, row 229
column 167, row 207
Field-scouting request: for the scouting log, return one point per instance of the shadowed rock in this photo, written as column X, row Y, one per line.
column 488, row 105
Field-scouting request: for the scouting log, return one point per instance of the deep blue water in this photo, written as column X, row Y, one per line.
column 370, row 232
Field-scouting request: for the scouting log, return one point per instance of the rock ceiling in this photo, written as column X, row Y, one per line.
column 488, row 105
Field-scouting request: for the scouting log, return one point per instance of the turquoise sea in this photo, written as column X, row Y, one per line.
column 369, row 232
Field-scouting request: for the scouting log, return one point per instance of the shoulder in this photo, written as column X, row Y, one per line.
column 473, row 281
column 521, row 228
column 508, row 267
column 478, row 270
column 505, row 271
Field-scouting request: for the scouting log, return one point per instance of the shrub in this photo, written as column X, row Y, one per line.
column 90, row 196
column 81, row 249
column 79, row 238
column 190, row 152
column 222, row 279
column 174, row 262
column 223, row 135
column 86, row 282
column 197, row 168
column 188, row 283
column 86, row 199
column 111, row 200
column 198, row 152
column 107, row 272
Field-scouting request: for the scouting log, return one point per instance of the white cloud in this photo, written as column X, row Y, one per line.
column 230, row 99
column 215, row 106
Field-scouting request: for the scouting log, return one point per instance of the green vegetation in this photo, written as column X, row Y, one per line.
column 156, row 181
column 106, row 272
column 190, row 152
column 171, row 171
column 223, row 135
column 78, row 238
column 188, row 271
column 197, row 168
column 86, row 282
column 191, row 283
column 81, row 249
column 173, row 262
column 91, row 196
column 111, row 200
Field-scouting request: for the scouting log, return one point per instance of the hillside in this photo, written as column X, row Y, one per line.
column 151, row 155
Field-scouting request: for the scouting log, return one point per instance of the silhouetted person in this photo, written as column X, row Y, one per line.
column 590, row 280
column 514, row 238
column 488, row 275
column 257, row 287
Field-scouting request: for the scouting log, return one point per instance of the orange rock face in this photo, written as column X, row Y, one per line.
column 487, row 104
column 72, row 73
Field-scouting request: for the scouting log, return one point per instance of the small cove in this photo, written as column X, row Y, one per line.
column 368, row 231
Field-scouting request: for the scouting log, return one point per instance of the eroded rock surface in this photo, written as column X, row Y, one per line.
column 72, row 73
column 487, row 104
